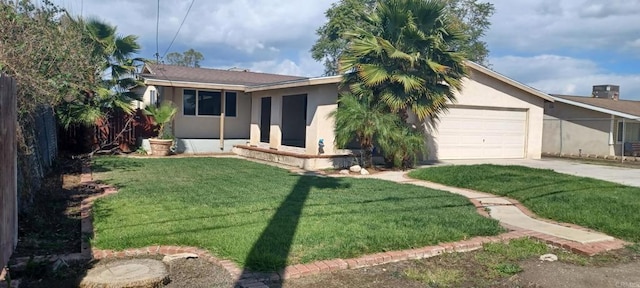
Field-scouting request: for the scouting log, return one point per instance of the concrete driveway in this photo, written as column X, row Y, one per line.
column 627, row 176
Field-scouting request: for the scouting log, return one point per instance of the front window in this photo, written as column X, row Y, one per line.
column 208, row 103
column 628, row 131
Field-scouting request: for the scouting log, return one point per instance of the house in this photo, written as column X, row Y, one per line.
column 286, row 118
column 598, row 126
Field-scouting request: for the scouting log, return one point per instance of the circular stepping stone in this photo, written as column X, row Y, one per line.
column 134, row 273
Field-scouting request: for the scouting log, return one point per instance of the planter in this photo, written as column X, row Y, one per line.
column 160, row 147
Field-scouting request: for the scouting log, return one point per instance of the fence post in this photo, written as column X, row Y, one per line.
column 8, row 169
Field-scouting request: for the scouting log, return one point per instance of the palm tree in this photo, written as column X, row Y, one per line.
column 113, row 78
column 362, row 118
column 162, row 115
column 406, row 57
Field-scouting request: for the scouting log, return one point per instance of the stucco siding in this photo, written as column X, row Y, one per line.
column 574, row 130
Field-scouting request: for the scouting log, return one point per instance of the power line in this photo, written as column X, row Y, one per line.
column 157, row 33
column 178, row 32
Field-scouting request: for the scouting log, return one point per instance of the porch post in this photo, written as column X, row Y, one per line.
column 223, row 111
column 624, row 128
column 275, row 135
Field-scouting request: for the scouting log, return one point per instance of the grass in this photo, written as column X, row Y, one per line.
column 439, row 277
column 496, row 262
column 265, row 218
column 604, row 206
column 482, row 268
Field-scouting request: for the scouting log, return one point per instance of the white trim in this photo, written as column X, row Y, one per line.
column 596, row 108
column 195, row 85
column 296, row 83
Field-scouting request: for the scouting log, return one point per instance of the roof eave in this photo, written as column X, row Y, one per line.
column 198, row 85
column 505, row 79
column 596, row 108
column 296, row 83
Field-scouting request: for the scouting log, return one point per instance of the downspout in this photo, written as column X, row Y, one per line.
column 561, row 137
column 223, row 109
column 624, row 128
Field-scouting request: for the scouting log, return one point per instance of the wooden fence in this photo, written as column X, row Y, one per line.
column 8, row 170
column 120, row 130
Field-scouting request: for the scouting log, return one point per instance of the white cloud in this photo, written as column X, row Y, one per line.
column 565, row 75
column 555, row 25
column 304, row 65
column 274, row 36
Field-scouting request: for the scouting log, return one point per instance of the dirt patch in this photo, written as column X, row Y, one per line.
column 616, row 269
column 52, row 224
column 558, row 274
column 194, row 273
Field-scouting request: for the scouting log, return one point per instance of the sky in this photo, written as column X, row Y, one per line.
column 556, row 46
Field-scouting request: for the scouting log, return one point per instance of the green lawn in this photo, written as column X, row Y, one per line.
column 265, row 218
column 608, row 207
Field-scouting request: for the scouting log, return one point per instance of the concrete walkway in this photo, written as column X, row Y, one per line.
column 626, row 176
column 504, row 210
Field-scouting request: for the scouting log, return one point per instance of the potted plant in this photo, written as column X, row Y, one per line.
column 162, row 115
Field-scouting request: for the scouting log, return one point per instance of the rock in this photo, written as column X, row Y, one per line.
column 169, row 258
column 355, row 168
column 344, row 172
column 364, row 172
column 140, row 273
column 549, row 257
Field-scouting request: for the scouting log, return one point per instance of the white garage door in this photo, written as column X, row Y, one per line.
column 465, row 133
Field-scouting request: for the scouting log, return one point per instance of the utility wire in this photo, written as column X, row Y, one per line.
column 178, row 32
column 157, row 33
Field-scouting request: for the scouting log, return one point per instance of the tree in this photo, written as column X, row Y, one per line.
column 471, row 16
column 190, row 58
column 405, row 57
column 113, row 78
column 399, row 61
column 361, row 115
column 342, row 17
column 44, row 51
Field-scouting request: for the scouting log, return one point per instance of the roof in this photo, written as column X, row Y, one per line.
column 479, row 68
column 216, row 76
column 181, row 76
column 623, row 108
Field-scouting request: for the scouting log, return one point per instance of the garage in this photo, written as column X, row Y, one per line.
column 482, row 133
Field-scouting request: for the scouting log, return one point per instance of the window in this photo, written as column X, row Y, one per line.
column 153, row 98
column 620, row 130
column 189, row 102
column 208, row 103
column 230, row 104
column 629, row 130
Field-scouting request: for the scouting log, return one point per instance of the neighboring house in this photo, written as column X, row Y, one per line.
column 600, row 125
column 286, row 116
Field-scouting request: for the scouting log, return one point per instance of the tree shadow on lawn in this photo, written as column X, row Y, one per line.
column 110, row 165
column 271, row 250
